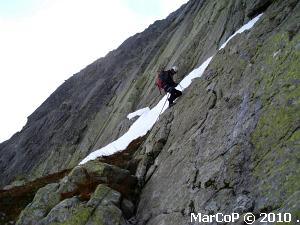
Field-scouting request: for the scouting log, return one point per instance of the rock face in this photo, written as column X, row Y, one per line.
column 231, row 143
column 89, row 110
column 84, row 197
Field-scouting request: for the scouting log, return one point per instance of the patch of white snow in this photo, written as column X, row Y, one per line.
column 247, row 26
column 138, row 113
column 149, row 117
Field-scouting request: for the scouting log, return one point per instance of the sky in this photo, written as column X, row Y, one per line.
column 44, row 42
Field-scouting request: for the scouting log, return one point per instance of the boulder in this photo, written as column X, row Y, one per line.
column 85, row 196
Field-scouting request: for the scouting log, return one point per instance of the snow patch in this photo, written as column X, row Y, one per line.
column 149, row 117
column 192, row 75
column 138, row 113
column 139, row 128
column 247, row 26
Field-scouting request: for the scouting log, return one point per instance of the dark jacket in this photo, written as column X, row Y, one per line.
column 167, row 79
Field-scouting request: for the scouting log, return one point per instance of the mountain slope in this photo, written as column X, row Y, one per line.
column 231, row 143
column 88, row 110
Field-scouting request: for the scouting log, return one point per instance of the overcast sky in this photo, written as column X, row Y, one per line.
column 44, row 42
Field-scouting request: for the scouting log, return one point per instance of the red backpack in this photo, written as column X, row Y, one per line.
column 159, row 82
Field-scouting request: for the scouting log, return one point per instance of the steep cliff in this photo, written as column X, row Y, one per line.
column 231, row 143
column 88, row 110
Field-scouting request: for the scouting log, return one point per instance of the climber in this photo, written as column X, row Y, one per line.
column 166, row 82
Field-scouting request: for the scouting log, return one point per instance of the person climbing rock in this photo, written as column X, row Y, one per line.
column 168, row 84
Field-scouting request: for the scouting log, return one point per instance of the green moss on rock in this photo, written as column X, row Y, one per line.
column 276, row 136
column 79, row 217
